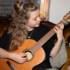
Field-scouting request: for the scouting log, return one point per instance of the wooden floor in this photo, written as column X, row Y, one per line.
column 68, row 60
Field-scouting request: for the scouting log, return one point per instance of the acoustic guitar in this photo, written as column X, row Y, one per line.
column 33, row 50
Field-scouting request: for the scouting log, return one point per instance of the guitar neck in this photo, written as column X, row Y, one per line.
column 46, row 37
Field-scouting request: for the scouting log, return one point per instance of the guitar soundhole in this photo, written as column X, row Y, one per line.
column 29, row 55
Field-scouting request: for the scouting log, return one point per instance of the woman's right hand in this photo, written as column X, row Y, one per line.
column 18, row 57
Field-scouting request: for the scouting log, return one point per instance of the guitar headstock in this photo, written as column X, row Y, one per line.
column 66, row 18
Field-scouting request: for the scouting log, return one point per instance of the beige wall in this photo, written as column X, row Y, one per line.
column 58, row 8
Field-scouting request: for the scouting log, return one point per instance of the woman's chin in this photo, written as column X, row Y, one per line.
column 37, row 26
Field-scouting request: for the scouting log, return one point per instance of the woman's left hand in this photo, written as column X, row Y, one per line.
column 59, row 30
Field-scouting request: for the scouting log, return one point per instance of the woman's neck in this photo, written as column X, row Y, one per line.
column 28, row 28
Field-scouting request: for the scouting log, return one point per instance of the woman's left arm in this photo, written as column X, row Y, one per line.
column 59, row 32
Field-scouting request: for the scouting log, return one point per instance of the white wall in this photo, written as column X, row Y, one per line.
column 58, row 8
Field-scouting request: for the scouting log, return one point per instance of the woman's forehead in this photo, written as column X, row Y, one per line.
column 35, row 13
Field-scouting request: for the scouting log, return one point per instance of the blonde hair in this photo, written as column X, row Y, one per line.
column 17, row 27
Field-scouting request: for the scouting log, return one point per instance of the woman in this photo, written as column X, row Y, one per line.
column 26, row 25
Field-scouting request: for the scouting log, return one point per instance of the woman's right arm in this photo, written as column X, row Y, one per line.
column 4, row 53
column 18, row 57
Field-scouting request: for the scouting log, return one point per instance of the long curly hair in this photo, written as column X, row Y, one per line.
column 17, row 27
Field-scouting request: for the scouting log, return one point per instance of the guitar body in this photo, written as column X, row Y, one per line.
column 37, row 57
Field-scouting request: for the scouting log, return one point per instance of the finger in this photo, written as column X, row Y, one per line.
column 24, row 59
column 56, row 29
column 61, row 26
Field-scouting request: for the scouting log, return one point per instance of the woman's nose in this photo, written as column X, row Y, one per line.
column 39, row 19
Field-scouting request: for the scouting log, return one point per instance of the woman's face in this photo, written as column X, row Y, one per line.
column 34, row 19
